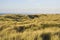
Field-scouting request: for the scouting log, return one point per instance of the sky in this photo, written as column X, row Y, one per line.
column 29, row 6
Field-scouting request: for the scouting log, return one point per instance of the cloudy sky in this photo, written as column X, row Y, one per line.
column 29, row 6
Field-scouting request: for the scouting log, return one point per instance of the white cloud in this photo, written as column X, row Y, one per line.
column 37, row 10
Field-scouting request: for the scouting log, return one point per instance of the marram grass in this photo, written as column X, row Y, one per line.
column 30, row 27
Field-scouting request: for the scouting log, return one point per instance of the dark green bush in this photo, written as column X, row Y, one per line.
column 46, row 36
column 19, row 29
column 33, row 16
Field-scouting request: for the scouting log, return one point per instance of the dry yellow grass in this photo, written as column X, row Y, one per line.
column 30, row 27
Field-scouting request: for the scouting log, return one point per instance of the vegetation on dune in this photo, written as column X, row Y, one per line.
column 30, row 27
